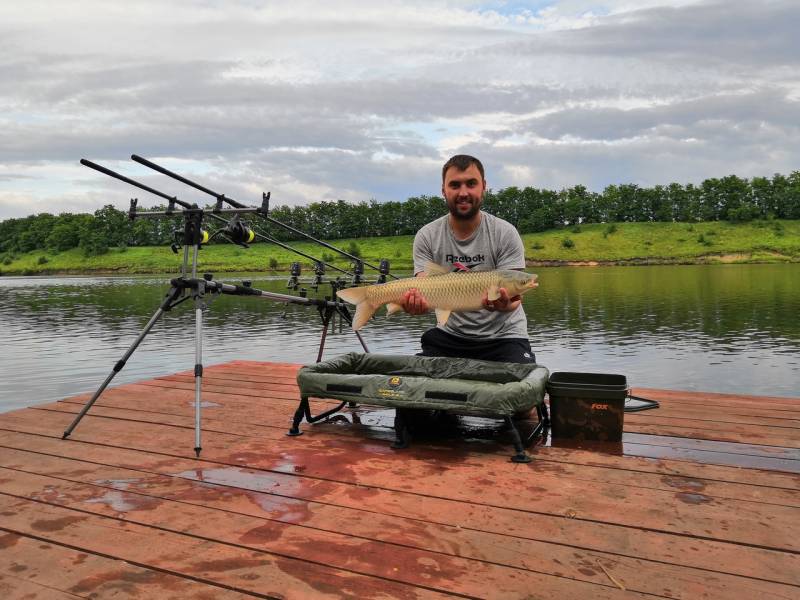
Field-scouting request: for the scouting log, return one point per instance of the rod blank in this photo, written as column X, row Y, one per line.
column 147, row 188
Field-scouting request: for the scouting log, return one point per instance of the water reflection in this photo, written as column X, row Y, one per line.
column 730, row 328
column 725, row 328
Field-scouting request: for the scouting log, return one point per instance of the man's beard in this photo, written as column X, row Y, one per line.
column 465, row 216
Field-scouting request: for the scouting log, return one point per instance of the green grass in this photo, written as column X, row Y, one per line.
column 215, row 258
column 770, row 241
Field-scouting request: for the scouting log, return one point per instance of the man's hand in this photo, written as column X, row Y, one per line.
column 414, row 303
column 503, row 304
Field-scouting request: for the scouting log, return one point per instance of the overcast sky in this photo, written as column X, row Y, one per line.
column 353, row 100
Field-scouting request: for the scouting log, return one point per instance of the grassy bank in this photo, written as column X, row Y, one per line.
column 655, row 243
column 619, row 243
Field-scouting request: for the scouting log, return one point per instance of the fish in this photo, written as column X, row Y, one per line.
column 445, row 291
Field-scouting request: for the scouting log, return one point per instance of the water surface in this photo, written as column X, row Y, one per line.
column 721, row 328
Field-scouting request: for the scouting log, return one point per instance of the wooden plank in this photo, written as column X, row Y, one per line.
column 593, row 472
column 181, row 414
column 216, row 564
column 774, row 437
column 636, row 444
column 667, row 526
column 713, row 421
column 435, row 513
column 762, row 441
column 16, row 588
column 141, row 500
column 34, row 569
column 392, row 561
column 236, row 405
column 765, row 434
column 752, row 435
column 677, row 397
column 777, row 418
column 777, row 454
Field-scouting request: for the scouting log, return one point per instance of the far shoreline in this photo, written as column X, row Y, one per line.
column 586, row 245
column 711, row 259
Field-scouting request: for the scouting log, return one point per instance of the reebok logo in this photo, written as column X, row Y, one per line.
column 478, row 258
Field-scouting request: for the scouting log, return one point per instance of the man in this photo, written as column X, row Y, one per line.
column 468, row 238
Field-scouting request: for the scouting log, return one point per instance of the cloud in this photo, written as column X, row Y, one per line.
column 319, row 101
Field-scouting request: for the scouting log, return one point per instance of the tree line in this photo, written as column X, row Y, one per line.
column 530, row 209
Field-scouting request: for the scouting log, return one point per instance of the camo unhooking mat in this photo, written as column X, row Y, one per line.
column 459, row 385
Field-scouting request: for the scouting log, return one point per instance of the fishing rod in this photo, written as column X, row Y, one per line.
column 193, row 215
column 264, row 213
column 235, row 230
column 238, row 231
column 200, row 290
column 172, row 200
column 237, row 234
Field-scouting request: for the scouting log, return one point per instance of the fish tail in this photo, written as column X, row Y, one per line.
column 364, row 309
column 364, row 312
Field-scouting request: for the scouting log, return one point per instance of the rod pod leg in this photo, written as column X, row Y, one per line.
column 303, row 410
column 521, row 456
column 119, row 365
column 327, row 316
column 402, row 436
column 198, row 376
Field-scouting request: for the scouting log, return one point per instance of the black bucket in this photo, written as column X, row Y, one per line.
column 587, row 406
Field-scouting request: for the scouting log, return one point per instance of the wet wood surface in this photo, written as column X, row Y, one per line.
column 700, row 500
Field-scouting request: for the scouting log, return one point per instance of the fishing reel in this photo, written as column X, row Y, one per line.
column 238, row 232
column 293, row 284
column 358, row 272
column 383, row 270
column 319, row 274
column 180, row 239
column 336, row 285
column 294, row 274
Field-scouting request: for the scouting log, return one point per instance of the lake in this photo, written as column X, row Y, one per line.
column 718, row 328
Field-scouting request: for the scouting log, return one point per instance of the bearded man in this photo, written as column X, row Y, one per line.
column 468, row 238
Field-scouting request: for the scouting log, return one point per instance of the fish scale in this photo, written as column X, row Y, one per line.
column 453, row 291
column 443, row 291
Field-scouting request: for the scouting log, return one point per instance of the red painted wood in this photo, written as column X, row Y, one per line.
column 455, row 515
column 33, row 569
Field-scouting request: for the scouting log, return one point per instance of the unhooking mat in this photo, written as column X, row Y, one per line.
column 463, row 386
column 458, row 385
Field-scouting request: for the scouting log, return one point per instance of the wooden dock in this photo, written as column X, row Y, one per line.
column 701, row 501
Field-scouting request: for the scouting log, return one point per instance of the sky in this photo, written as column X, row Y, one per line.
column 319, row 101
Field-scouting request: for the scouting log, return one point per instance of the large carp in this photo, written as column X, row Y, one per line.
column 444, row 291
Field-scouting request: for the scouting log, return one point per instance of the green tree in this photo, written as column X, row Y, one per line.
column 66, row 233
column 763, row 197
column 736, row 199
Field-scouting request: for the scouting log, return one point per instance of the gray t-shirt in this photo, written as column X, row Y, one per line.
column 496, row 244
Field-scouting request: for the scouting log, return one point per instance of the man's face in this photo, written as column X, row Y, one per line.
column 463, row 191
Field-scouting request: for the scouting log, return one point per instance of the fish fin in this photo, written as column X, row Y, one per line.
column 353, row 295
column 431, row 268
column 442, row 315
column 393, row 307
column 494, row 292
column 364, row 311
